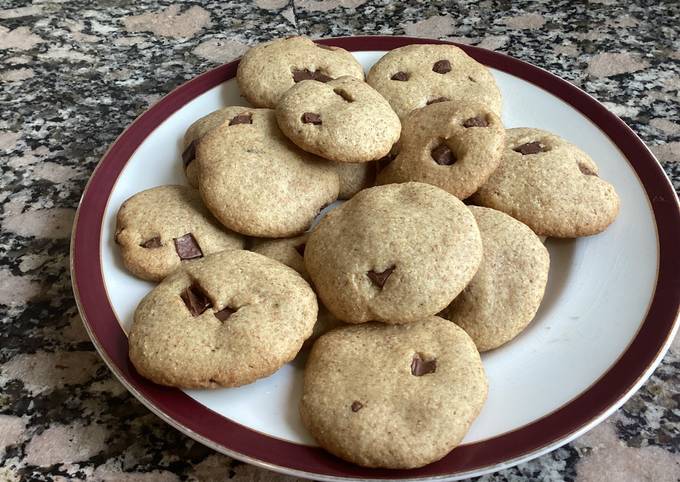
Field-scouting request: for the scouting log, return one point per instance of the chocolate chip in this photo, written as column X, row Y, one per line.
column 187, row 247
column 300, row 248
column 530, row 148
column 420, row 367
column 325, row 47
column 311, row 118
column 438, row 99
column 471, row 79
column 195, row 299
column 442, row 66
column 443, row 155
column 224, row 313
column 357, row 405
column 400, row 76
column 189, row 153
column 344, row 94
column 379, row 279
column 154, row 242
column 586, row 170
column 243, row 118
column 479, row 121
column 306, row 74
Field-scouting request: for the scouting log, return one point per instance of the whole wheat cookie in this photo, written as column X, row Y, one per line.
column 267, row 70
column 399, row 396
column 200, row 128
column 343, row 120
column 550, row 185
column 451, row 145
column 225, row 320
column 417, row 75
column 504, row 295
column 354, row 176
column 159, row 228
column 256, row 182
column 394, row 253
column 290, row 251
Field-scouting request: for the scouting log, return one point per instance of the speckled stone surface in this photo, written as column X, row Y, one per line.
column 74, row 74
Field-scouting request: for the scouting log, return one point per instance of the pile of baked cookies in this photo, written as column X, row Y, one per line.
column 395, row 291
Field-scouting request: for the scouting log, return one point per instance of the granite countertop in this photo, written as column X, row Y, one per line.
column 76, row 73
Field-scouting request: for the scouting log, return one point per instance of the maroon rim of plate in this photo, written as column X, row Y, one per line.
column 191, row 417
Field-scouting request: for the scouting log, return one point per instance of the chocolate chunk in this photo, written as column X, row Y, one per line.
column 357, row 405
column 344, row 94
column 224, row 313
column 311, row 118
column 586, row 170
column 306, row 74
column 379, row 279
column 441, row 66
column 300, row 248
column 479, row 121
column 195, row 299
column 189, row 153
column 243, row 118
column 400, row 76
column 420, row 367
column 325, row 47
column 154, row 242
column 530, row 148
column 443, row 155
column 187, row 247
column 438, row 99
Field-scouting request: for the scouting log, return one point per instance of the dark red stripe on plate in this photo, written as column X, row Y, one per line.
column 187, row 414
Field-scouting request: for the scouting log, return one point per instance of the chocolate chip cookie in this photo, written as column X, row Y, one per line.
column 354, row 176
column 396, row 397
column 394, row 253
column 267, row 70
column 504, row 295
column 417, row 75
column 343, row 120
column 550, row 185
column 159, row 228
column 256, row 182
column 452, row 145
column 225, row 320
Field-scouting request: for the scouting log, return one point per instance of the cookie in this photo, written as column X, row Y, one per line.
column 225, row 320
column 256, row 182
column 451, row 145
column 393, row 253
column 414, row 76
column 343, row 120
column 197, row 130
column 504, row 295
column 290, row 251
column 550, row 185
column 399, row 396
column 354, row 176
column 159, row 228
column 267, row 70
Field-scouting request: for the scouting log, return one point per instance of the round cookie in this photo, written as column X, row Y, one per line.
column 451, row 145
column 399, row 396
column 550, row 185
column 343, row 120
column 197, row 130
column 267, row 70
column 159, row 228
column 393, row 253
column 417, row 75
column 354, row 176
column 256, row 182
column 504, row 295
column 290, row 251
column 225, row 320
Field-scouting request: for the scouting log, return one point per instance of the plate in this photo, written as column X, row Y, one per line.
column 608, row 317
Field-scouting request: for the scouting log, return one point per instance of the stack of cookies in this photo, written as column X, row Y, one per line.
column 397, row 290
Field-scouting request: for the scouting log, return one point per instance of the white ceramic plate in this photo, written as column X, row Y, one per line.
column 606, row 320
